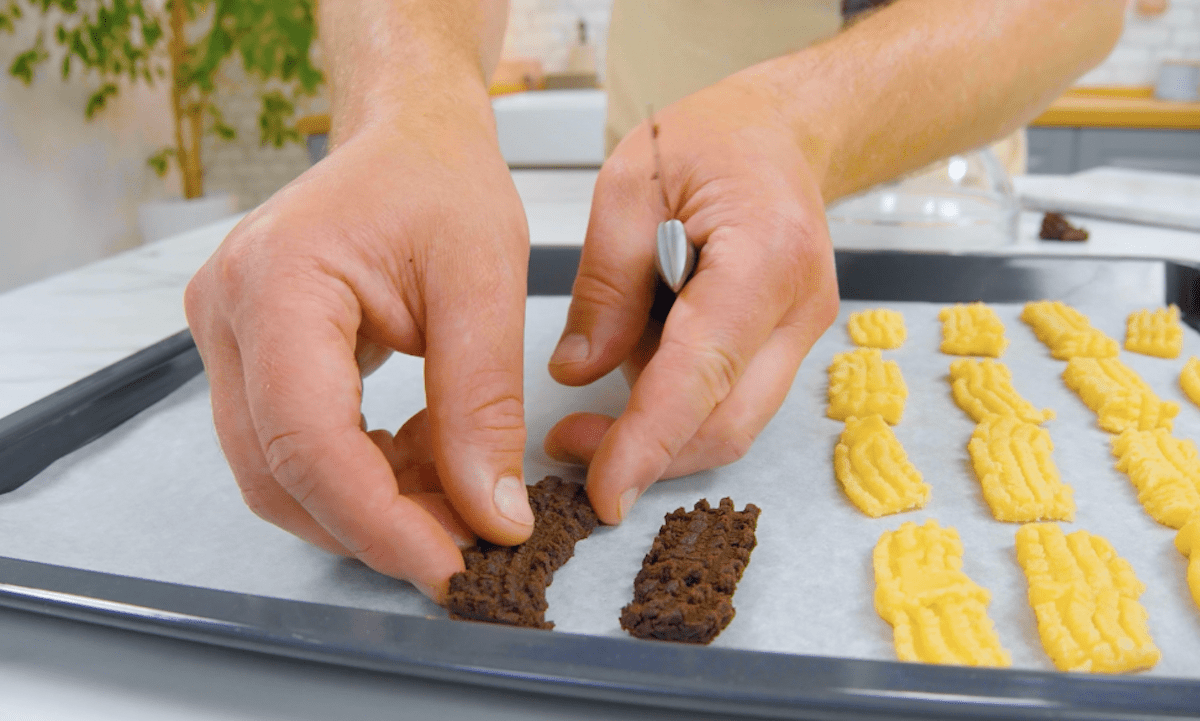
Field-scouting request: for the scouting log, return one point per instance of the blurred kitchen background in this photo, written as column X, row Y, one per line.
column 71, row 188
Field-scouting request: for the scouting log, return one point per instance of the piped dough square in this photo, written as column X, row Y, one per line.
column 861, row 383
column 1085, row 598
column 1013, row 462
column 875, row 471
column 1067, row 332
column 1157, row 333
column 938, row 614
column 878, row 328
column 983, row 388
column 972, row 329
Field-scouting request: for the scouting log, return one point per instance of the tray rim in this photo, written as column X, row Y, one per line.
column 784, row 685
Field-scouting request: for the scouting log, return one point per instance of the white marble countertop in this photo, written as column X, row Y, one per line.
column 63, row 328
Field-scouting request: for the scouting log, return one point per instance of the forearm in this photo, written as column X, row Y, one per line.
column 923, row 79
column 405, row 56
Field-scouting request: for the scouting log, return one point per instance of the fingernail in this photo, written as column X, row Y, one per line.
column 427, row 590
column 625, row 504
column 512, row 500
column 573, row 348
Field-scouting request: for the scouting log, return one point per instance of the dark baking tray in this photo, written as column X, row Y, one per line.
column 733, row 682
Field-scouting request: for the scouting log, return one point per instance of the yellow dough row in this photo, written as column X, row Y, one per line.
column 1085, row 598
column 1067, row 332
column 1155, row 333
column 972, row 329
column 861, row 383
column 1118, row 396
column 938, row 614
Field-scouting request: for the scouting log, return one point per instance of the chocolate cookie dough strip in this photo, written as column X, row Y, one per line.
column 1085, row 598
column 1067, row 332
column 1165, row 470
column 983, row 388
column 1020, row 481
column 1119, row 397
column 1155, row 333
column 875, row 471
column 1188, row 543
column 684, row 591
column 1189, row 379
column 938, row 614
column 879, row 328
column 972, row 329
column 861, row 383
column 503, row 584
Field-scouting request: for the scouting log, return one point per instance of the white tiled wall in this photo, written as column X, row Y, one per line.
column 1148, row 41
column 544, row 29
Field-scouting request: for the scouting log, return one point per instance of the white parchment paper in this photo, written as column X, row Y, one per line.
column 155, row 499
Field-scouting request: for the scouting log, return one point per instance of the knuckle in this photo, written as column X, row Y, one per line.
column 292, row 468
column 594, row 288
column 263, row 504
column 496, row 419
column 718, row 367
column 375, row 556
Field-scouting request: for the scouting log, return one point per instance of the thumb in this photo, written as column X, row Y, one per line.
column 473, row 383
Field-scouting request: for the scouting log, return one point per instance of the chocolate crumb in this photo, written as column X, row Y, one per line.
column 1056, row 227
column 507, row 584
column 684, row 591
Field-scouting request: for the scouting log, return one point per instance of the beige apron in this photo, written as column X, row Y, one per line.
column 661, row 50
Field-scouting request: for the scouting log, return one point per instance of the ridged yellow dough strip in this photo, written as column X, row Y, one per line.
column 937, row 613
column 1188, row 543
column 861, row 383
column 1013, row 462
column 1085, row 598
column 875, row 471
column 983, row 388
column 1067, row 332
column 1165, row 470
column 972, row 329
column 879, row 328
column 1155, row 333
column 1189, row 379
column 1120, row 398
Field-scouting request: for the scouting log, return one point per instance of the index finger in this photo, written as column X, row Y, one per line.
column 718, row 322
column 304, row 393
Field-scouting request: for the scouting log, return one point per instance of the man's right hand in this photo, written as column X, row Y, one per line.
column 410, row 237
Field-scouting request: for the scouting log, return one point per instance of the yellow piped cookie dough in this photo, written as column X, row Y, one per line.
column 1155, row 333
column 1067, row 332
column 879, row 328
column 861, row 383
column 983, row 388
column 972, row 329
column 1085, row 598
column 1189, row 379
column 1118, row 396
column 1188, row 543
column 1165, row 470
column 1020, row 481
column 938, row 614
column 875, row 471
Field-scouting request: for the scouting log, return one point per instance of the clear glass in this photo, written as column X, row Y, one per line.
column 964, row 201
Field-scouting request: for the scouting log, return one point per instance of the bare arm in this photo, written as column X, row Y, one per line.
column 922, row 79
column 382, row 53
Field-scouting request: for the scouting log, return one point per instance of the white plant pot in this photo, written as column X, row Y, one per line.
column 160, row 219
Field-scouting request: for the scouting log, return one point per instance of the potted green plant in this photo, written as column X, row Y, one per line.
column 184, row 43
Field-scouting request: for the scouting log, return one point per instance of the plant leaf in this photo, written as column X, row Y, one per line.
column 99, row 99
